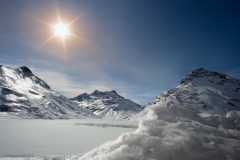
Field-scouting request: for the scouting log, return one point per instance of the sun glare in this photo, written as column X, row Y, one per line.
column 61, row 30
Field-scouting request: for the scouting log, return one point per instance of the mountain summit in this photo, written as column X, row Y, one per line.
column 107, row 104
column 205, row 75
column 202, row 90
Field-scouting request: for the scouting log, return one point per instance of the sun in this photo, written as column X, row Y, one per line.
column 61, row 30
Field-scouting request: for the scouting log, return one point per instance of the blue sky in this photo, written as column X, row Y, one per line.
column 139, row 48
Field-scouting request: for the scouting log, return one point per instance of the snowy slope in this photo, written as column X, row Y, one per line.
column 107, row 104
column 208, row 92
column 23, row 95
column 199, row 119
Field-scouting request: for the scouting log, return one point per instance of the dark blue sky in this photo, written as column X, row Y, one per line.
column 139, row 48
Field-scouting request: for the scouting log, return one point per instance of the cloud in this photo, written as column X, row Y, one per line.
column 63, row 84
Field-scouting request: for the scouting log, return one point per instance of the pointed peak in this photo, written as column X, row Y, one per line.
column 25, row 70
column 200, row 69
column 96, row 92
column 81, row 97
column 83, row 94
column 113, row 91
column 201, row 72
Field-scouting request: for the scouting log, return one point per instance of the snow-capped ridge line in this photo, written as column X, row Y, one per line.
column 107, row 104
column 201, row 72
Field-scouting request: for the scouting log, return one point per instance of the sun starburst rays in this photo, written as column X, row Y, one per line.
column 62, row 31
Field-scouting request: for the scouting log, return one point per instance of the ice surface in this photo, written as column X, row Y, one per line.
column 58, row 137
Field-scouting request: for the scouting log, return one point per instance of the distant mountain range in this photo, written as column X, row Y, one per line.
column 24, row 95
column 107, row 104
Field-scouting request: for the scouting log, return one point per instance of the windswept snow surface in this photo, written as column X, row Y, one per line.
column 197, row 120
column 24, row 95
column 107, row 104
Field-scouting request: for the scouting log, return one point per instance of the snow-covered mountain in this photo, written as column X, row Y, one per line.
column 24, row 95
column 205, row 91
column 199, row 119
column 107, row 104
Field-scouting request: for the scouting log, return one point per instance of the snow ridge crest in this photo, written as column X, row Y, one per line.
column 107, row 104
column 207, row 75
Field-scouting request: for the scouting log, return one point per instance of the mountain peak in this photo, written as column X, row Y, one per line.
column 99, row 93
column 113, row 91
column 202, row 73
column 25, row 70
column 107, row 104
column 96, row 92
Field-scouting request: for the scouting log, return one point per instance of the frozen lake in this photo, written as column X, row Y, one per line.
column 58, row 137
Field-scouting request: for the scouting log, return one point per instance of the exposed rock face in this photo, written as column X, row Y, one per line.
column 213, row 77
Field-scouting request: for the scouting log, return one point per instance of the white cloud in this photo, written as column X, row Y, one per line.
column 63, row 84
